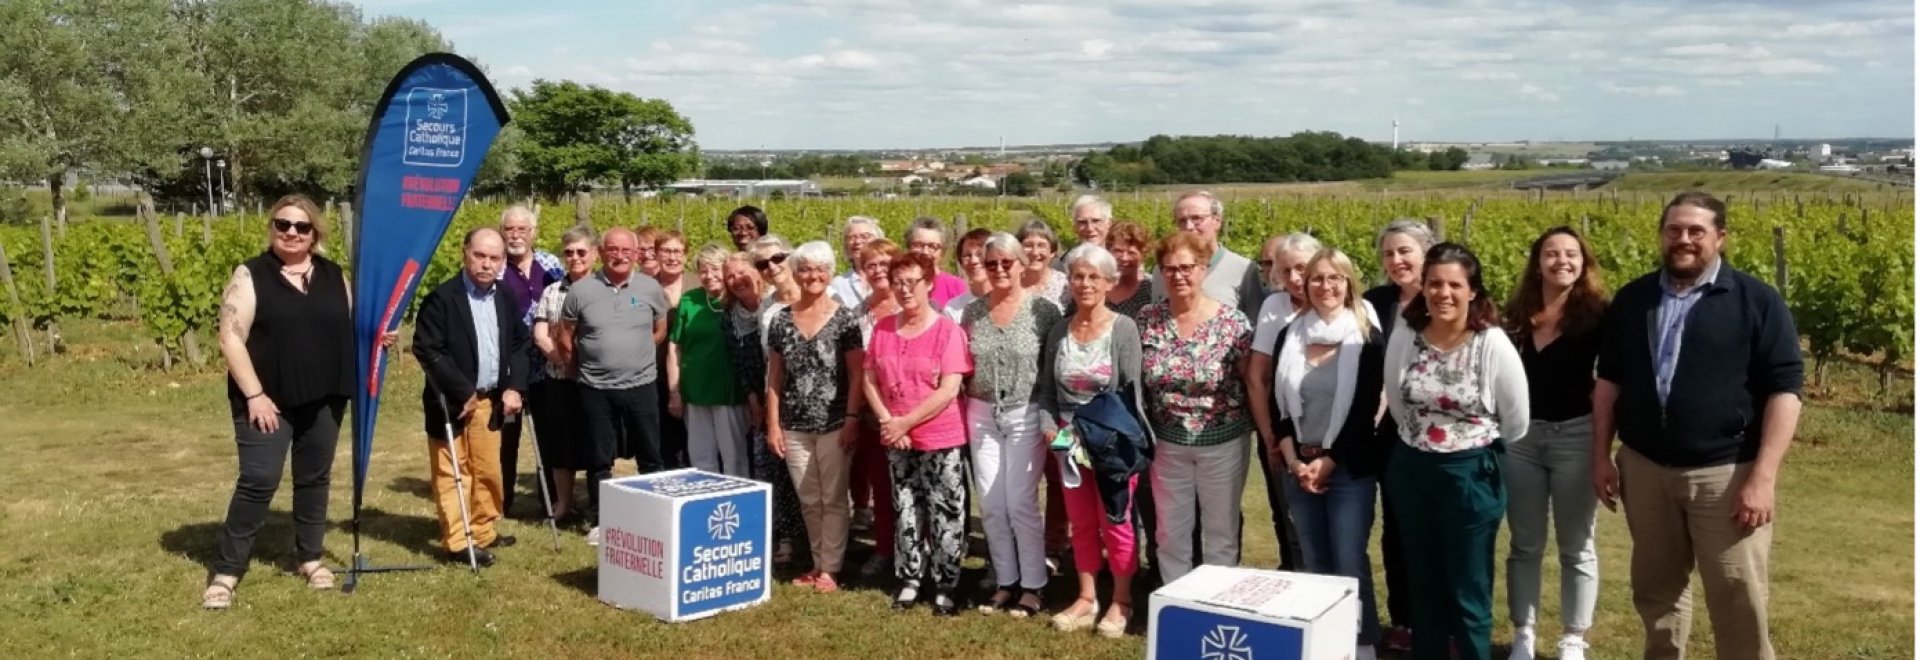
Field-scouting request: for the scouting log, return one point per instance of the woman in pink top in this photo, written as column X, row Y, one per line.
column 916, row 360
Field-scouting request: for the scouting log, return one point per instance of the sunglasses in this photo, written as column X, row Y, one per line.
column 577, row 252
column 769, row 262
column 284, row 226
column 999, row 264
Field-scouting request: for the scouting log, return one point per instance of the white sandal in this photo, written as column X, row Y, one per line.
column 318, row 576
column 218, row 595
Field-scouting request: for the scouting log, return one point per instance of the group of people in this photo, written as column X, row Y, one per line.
column 897, row 396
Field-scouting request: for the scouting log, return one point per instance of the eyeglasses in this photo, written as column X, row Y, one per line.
column 676, row 252
column 877, row 266
column 1191, row 220
column 516, row 230
column 1327, row 280
column 999, row 264
column 906, row 283
column 576, row 252
column 769, row 262
column 620, row 251
column 926, row 245
column 284, row 226
column 1183, row 270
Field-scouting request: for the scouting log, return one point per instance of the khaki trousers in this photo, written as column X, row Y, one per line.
column 820, row 468
column 479, row 449
column 1680, row 518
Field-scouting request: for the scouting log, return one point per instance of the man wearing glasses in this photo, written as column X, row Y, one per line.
column 1092, row 217
column 528, row 272
column 1231, row 278
column 611, row 322
column 849, row 288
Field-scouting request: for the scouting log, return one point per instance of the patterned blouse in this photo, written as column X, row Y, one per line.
column 1054, row 289
column 548, row 309
column 1083, row 370
column 1006, row 361
column 1195, row 393
column 1131, row 307
column 814, row 399
column 1447, row 409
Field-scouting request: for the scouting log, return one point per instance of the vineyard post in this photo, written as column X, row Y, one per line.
column 21, row 334
column 60, row 217
column 346, row 229
column 1438, row 223
column 259, row 207
column 206, row 230
column 1780, row 259
column 582, row 209
column 179, row 223
column 188, row 340
column 53, row 284
column 1586, row 221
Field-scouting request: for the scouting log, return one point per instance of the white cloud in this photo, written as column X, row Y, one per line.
column 1488, row 75
column 1537, row 93
column 1096, row 48
column 1641, row 91
column 1717, row 49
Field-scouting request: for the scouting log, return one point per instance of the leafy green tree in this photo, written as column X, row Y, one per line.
column 1020, row 183
column 579, row 134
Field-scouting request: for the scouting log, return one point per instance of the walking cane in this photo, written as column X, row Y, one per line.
column 459, row 490
column 540, row 475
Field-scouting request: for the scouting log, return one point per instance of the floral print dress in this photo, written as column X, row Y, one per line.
column 1196, row 395
column 1446, row 406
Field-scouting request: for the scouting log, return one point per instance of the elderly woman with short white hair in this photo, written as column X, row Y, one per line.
column 1286, row 260
column 1005, row 330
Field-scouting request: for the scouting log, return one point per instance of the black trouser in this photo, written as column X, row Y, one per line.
column 509, row 460
column 310, row 431
column 633, row 411
column 1393, row 561
column 673, row 434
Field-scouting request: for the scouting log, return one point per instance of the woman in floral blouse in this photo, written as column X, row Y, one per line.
column 1194, row 356
column 1458, row 391
column 1003, row 423
column 814, row 367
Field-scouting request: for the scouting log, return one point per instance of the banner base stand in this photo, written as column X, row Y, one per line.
column 360, row 566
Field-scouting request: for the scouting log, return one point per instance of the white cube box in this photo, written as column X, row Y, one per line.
column 1222, row 613
column 685, row 544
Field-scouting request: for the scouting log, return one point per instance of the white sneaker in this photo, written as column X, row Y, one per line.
column 1364, row 652
column 1573, row 647
column 593, row 536
column 1522, row 644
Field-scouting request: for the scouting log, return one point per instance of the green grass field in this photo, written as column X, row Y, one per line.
column 121, row 476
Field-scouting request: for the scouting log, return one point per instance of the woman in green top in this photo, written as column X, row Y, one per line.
column 700, row 383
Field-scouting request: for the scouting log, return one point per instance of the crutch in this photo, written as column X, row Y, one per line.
column 540, row 475
column 459, row 489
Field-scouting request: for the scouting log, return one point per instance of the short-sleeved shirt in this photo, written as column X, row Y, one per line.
column 946, row 286
column 1006, row 359
column 1447, row 406
column 908, row 370
column 613, row 329
column 706, row 365
column 1196, row 395
column 1083, row 370
column 815, row 383
column 1276, row 313
column 548, row 309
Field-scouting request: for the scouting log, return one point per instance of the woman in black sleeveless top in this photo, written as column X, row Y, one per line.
column 286, row 330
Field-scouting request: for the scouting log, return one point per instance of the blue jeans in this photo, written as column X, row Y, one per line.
column 1334, row 528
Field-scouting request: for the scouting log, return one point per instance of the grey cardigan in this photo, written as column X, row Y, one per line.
column 1126, row 369
column 1503, row 380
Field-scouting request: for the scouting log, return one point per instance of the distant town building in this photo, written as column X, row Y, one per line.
column 746, row 187
column 1610, row 165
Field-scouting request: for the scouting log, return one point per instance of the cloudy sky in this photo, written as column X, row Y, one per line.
column 907, row 73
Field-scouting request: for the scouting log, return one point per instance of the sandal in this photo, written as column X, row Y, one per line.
column 1114, row 624
column 999, row 600
column 1067, row 621
column 219, row 594
column 318, row 576
column 1028, row 605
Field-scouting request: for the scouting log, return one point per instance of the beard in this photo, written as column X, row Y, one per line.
column 519, row 251
column 1671, row 261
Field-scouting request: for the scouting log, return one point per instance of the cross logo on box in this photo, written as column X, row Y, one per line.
column 724, row 521
column 1225, row 643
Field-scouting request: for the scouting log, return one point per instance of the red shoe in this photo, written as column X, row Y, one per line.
column 807, row 579
column 825, row 583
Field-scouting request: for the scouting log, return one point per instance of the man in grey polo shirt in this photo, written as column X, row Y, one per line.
column 610, row 323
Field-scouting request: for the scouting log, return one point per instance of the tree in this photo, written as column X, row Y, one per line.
column 578, row 134
column 1020, row 183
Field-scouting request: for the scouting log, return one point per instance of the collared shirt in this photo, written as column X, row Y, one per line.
column 850, row 289
column 486, row 334
column 1671, row 322
column 613, row 329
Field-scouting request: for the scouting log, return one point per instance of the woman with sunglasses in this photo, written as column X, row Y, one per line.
column 915, row 364
column 1194, row 360
column 555, row 402
column 1458, row 391
column 1003, row 420
column 286, row 331
column 814, row 366
column 747, row 303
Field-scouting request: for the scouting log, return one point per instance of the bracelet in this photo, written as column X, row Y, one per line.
column 256, row 396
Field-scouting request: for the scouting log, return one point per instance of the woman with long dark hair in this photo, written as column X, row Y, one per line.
column 1458, row 391
column 1554, row 318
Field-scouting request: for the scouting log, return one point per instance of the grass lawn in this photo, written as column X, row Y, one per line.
column 121, row 476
